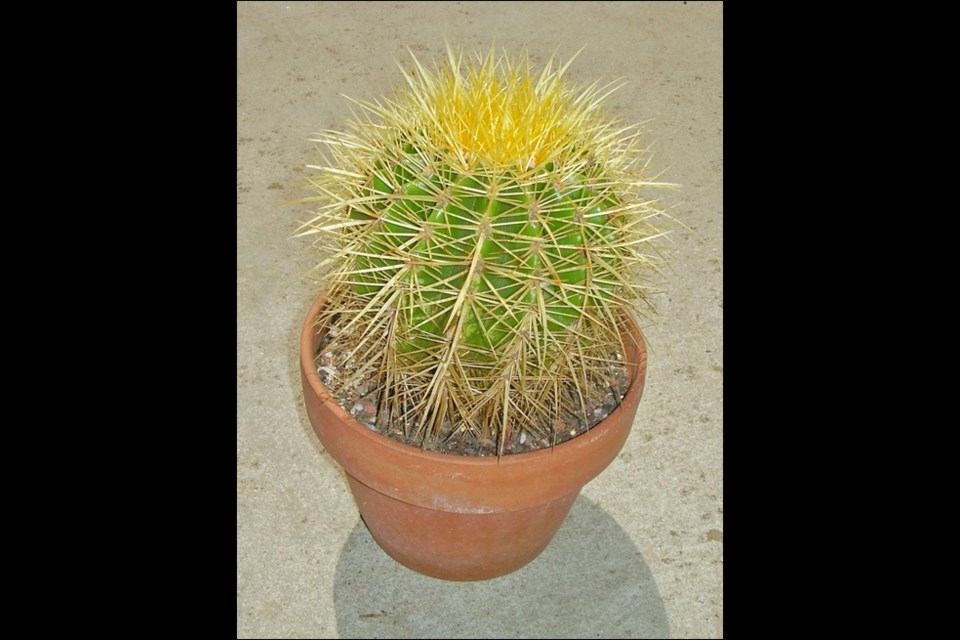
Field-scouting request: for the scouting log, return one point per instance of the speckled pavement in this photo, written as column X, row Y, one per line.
column 641, row 554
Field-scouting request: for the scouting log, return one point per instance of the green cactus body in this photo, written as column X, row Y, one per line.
column 493, row 241
column 488, row 233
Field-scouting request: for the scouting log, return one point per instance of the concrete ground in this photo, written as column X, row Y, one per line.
column 642, row 552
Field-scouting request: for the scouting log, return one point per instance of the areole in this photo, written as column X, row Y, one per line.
column 458, row 517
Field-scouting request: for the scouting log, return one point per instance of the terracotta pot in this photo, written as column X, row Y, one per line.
column 460, row 517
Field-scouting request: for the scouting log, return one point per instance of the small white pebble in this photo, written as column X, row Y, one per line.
column 523, row 437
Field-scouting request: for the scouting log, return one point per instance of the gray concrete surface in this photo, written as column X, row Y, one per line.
column 642, row 552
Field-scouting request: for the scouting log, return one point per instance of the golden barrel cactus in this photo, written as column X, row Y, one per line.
column 485, row 229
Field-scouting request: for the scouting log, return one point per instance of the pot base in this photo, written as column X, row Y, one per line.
column 459, row 546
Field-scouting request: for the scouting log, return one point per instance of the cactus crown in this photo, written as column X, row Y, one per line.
column 496, row 113
column 486, row 228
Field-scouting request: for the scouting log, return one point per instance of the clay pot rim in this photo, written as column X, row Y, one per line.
column 375, row 438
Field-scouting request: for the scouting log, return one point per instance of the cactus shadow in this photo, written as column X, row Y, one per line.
column 591, row 581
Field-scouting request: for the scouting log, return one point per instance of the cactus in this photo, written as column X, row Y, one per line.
column 486, row 229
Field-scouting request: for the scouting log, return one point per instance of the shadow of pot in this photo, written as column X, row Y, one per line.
column 455, row 517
